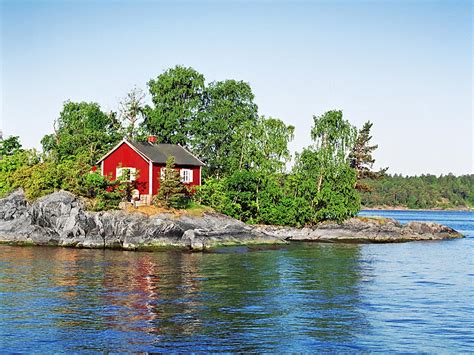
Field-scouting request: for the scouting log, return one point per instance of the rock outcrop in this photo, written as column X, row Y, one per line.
column 61, row 219
column 366, row 230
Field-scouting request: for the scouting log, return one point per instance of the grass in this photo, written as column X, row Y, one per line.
column 194, row 209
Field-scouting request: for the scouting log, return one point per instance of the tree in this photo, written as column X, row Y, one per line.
column 172, row 193
column 10, row 164
column 425, row 191
column 177, row 97
column 267, row 146
column 229, row 112
column 322, row 173
column 333, row 140
column 10, row 145
column 361, row 158
column 132, row 111
column 82, row 129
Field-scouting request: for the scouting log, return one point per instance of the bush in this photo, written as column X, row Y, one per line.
column 24, row 169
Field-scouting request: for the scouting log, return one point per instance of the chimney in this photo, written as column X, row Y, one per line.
column 152, row 139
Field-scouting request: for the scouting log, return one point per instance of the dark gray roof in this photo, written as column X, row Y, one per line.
column 160, row 152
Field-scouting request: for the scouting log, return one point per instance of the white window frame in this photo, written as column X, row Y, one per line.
column 133, row 173
column 162, row 173
column 186, row 175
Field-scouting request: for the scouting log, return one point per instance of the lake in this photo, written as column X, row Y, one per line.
column 406, row 297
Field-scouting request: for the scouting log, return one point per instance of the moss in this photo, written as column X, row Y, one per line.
column 156, row 246
column 246, row 243
column 26, row 243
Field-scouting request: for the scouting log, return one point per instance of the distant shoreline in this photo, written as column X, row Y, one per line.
column 402, row 208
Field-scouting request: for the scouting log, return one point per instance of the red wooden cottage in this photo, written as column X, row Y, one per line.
column 143, row 164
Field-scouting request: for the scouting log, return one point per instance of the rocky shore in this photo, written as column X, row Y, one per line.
column 61, row 219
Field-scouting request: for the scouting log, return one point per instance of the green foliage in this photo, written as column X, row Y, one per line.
column 10, row 146
column 104, row 194
column 333, row 140
column 322, row 172
column 177, row 97
column 236, row 196
column 337, row 200
column 425, row 191
column 245, row 154
column 37, row 180
column 361, row 158
column 10, row 164
column 320, row 187
column 214, row 194
column 28, row 170
column 229, row 107
column 332, row 198
column 82, row 129
column 172, row 193
column 254, row 197
column 263, row 146
column 219, row 122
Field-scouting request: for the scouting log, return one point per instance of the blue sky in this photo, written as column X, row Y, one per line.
column 404, row 65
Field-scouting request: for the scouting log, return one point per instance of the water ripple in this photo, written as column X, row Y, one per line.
column 303, row 297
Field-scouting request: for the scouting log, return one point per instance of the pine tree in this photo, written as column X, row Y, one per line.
column 361, row 158
column 173, row 193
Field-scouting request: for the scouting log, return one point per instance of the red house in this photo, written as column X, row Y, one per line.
column 143, row 163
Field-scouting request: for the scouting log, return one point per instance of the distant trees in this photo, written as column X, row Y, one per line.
column 425, row 191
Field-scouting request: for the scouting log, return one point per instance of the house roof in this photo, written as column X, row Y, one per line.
column 160, row 152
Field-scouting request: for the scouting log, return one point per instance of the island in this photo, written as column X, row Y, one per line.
column 211, row 151
column 60, row 219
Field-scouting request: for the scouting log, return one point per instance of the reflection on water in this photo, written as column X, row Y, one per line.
column 101, row 299
column 402, row 297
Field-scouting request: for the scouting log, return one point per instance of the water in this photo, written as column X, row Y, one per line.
column 304, row 297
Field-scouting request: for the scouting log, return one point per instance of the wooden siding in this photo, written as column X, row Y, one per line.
column 126, row 157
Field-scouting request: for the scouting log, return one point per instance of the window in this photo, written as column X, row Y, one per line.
column 126, row 174
column 162, row 173
column 186, row 175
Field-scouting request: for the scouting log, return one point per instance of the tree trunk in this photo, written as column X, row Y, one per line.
column 320, row 181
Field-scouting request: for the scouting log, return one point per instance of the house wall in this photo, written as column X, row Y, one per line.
column 156, row 177
column 157, row 174
column 127, row 157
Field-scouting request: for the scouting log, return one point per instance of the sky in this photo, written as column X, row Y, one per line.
column 404, row 65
